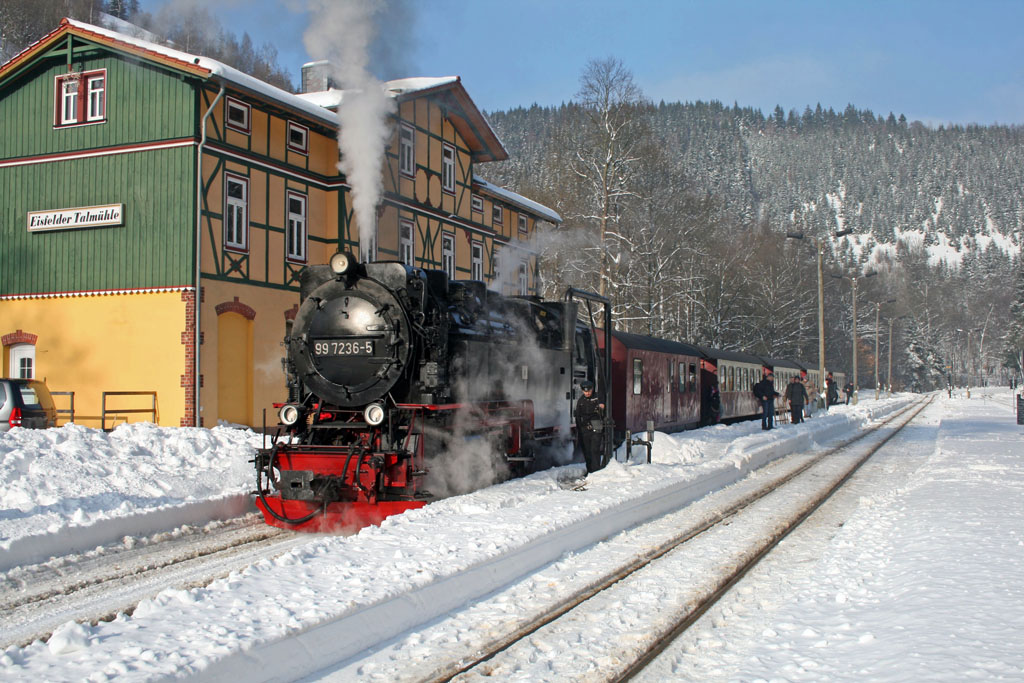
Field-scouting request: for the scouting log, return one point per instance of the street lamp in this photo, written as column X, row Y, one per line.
column 818, row 247
column 853, row 279
column 878, row 310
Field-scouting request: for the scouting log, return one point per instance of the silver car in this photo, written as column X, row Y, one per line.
column 26, row 403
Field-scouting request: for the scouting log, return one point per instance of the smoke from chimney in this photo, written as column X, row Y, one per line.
column 342, row 32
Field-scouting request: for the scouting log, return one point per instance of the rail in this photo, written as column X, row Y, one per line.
column 125, row 411
column 70, row 412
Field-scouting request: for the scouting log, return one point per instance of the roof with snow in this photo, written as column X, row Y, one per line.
column 516, row 199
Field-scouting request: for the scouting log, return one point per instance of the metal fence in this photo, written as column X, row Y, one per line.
column 116, row 412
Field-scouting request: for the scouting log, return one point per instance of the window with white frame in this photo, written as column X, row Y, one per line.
column 407, row 150
column 477, row 203
column 236, row 212
column 238, row 115
column 477, row 261
column 497, row 214
column 448, row 254
column 448, row 168
column 23, row 361
column 81, row 98
column 523, row 222
column 298, row 138
column 524, row 280
column 296, row 237
column 406, row 242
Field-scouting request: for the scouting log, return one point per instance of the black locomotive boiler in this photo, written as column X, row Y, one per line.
column 405, row 386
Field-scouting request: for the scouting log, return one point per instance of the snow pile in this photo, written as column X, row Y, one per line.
column 343, row 594
column 70, row 489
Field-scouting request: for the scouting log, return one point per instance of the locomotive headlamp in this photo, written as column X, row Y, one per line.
column 374, row 414
column 289, row 414
column 342, row 262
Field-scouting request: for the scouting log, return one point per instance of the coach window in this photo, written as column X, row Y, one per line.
column 638, row 375
column 671, row 378
column 732, row 378
column 692, row 381
column 682, row 375
column 236, row 213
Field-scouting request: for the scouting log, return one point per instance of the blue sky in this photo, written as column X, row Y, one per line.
column 937, row 61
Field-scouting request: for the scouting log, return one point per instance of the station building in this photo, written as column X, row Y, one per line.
column 158, row 207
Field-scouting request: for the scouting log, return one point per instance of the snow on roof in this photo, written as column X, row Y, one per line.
column 333, row 97
column 517, row 199
column 216, row 69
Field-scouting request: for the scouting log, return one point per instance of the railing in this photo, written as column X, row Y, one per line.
column 125, row 411
column 66, row 411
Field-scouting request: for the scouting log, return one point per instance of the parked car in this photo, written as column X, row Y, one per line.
column 26, row 403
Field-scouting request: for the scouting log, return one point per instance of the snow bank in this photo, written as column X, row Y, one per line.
column 352, row 592
column 70, row 489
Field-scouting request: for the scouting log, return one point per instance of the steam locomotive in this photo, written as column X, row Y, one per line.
column 405, row 386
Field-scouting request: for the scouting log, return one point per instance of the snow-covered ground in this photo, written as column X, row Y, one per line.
column 889, row 594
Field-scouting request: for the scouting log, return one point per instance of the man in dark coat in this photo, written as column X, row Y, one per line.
column 589, row 413
column 848, row 390
column 766, row 394
column 796, row 394
column 831, row 392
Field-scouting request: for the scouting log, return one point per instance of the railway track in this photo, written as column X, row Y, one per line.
column 811, row 479
column 97, row 586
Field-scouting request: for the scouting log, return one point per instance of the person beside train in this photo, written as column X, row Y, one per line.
column 796, row 396
column 589, row 416
column 848, row 390
column 831, row 392
column 765, row 392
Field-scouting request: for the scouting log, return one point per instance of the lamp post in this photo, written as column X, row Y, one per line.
column 878, row 310
column 853, row 279
column 818, row 247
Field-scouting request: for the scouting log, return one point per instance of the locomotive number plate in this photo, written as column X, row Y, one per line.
column 343, row 348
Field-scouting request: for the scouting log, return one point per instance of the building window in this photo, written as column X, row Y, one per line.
column 296, row 236
column 523, row 222
column 524, row 280
column 638, row 375
column 407, row 151
column 238, row 115
column 81, row 98
column 477, row 203
column 406, row 243
column 448, row 254
column 23, row 361
column 236, row 213
column 448, row 168
column 298, row 138
column 477, row 261
column 496, row 214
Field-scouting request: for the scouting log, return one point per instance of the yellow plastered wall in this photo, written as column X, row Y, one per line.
column 264, row 384
column 121, row 342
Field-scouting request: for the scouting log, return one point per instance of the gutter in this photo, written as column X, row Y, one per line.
column 198, row 247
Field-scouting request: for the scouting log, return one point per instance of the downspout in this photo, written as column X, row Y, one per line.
column 198, row 248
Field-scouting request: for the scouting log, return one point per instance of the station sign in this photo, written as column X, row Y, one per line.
column 82, row 217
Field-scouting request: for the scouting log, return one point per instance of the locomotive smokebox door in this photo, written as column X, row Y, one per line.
column 350, row 344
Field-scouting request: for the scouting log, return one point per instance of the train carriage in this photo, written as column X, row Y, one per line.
column 737, row 373
column 654, row 379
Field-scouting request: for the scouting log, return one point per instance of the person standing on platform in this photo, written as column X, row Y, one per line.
column 766, row 394
column 796, row 395
column 589, row 416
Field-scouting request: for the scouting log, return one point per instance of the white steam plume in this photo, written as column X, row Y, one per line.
column 342, row 32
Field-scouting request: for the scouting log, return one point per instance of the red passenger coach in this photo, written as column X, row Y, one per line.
column 737, row 373
column 654, row 379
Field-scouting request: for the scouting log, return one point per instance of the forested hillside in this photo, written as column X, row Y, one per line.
column 696, row 200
